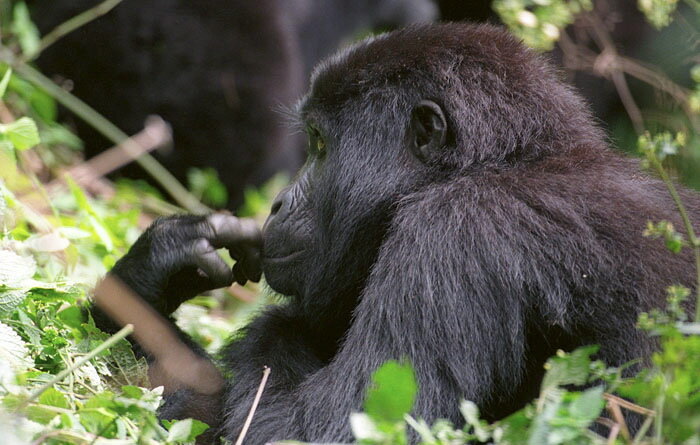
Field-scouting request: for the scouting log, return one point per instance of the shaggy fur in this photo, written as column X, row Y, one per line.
column 521, row 236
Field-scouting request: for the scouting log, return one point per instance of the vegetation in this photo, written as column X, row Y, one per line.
column 64, row 381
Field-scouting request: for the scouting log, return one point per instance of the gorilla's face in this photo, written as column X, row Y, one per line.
column 364, row 156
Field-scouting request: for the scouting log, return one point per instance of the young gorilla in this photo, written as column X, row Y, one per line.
column 458, row 208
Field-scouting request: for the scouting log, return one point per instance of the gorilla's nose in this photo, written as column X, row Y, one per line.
column 276, row 206
column 280, row 210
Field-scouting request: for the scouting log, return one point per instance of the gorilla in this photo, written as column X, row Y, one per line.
column 459, row 209
column 217, row 70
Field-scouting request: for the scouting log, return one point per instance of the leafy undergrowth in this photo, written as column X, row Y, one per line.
column 49, row 262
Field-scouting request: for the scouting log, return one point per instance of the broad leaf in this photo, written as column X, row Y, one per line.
column 392, row 393
column 13, row 350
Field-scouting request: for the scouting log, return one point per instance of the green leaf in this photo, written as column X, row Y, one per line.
column 53, row 397
column 4, row 82
column 195, row 426
column 44, row 105
column 568, row 369
column 41, row 413
column 13, row 350
column 99, row 228
column 10, row 299
column 392, row 393
column 133, row 392
column 98, row 420
column 205, row 184
column 540, row 429
column 72, row 316
column 198, row 427
column 22, row 133
column 588, row 405
column 180, row 430
column 25, row 30
column 15, row 269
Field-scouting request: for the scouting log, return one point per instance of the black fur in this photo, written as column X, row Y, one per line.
column 519, row 235
column 218, row 70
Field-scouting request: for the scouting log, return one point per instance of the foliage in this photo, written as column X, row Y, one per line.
column 658, row 12
column 45, row 279
column 558, row 416
column 206, row 186
column 538, row 22
column 52, row 251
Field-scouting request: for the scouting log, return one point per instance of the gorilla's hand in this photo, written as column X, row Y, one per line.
column 176, row 258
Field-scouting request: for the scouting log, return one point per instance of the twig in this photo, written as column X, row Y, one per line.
column 175, row 364
column 74, row 23
column 628, row 405
column 156, row 133
column 606, row 62
column 89, row 174
column 653, row 77
column 643, row 430
column 659, row 418
column 692, row 238
column 581, row 58
column 258, row 395
column 114, row 134
column 111, row 341
column 616, row 412
column 618, row 78
column 612, row 426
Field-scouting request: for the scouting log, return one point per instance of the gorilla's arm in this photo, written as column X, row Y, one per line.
column 174, row 260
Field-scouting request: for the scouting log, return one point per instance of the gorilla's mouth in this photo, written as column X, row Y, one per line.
column 283, row 258
column 281, row 270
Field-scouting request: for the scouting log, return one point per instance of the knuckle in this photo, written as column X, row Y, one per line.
column 222, row 222
column 202, row 247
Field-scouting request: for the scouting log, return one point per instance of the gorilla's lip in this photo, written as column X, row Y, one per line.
column 284, row 257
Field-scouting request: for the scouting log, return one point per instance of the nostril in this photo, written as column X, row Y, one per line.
column 276, row 206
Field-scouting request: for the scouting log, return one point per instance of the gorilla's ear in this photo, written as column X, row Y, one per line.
column 428, row 130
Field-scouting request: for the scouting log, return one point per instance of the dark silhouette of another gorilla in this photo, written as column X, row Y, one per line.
column 458, row 208
column 217, row 70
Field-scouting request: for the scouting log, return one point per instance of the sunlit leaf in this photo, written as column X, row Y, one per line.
column 392, row 393
column 13, row 349
column 22, row 133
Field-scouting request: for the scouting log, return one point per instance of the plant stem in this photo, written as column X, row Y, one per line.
column 76, row 22
column 111, row 341
column 658, row 420
column 694, row 242
column 114, row 134
column 258, row 395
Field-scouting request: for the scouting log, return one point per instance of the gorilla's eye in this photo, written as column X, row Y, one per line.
column 316, row 142
column 320, row 144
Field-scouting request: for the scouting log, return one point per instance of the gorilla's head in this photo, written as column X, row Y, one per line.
column 393, row 116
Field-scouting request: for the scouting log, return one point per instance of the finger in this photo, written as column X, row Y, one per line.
column 229, row 231
column 204, row 256
column 251, row 264
column 239, row 275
